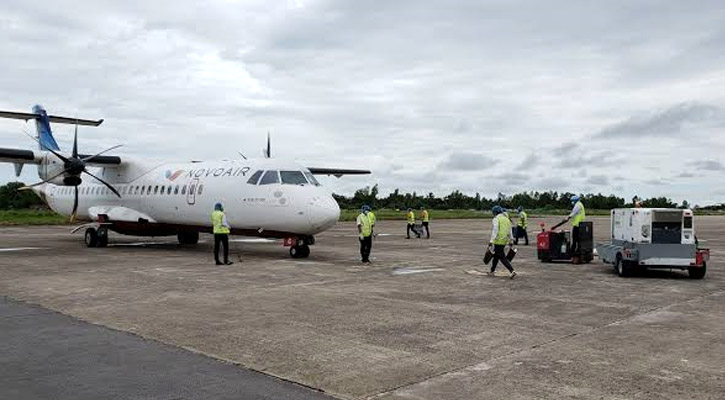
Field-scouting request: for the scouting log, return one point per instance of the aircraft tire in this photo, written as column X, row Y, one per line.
column 299, row 251
column 91, row 238
column 188, row 238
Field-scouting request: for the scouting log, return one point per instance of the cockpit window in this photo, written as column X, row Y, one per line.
column 255, row 178
column 293, row 178
column 270, row 177
column 312, row 179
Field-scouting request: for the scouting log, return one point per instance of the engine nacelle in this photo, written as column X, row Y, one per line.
column 50, row 166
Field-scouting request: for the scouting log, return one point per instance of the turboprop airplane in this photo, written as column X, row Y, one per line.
column 262, row 197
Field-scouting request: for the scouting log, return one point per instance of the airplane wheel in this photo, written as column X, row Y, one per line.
column 102, row 234
column 91, row 238
column 299, row 251
column 622, row 267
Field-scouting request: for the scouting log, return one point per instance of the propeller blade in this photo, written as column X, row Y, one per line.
column 42, row 182
column 75, row 142
column 50, row 150
column 104, row 151
column 75, row 205
column 108, row 185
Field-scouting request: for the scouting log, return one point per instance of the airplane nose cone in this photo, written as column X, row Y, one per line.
column 323, row 213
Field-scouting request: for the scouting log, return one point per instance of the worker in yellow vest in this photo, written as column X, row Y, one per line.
column 521, row 226
column 577, row 215
column 373, row 219
column 221, row 231
column 365, row 232
column 500, row 237
column 411, row 224
column 425, row 217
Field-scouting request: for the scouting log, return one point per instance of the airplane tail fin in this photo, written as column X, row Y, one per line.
column 42, row 127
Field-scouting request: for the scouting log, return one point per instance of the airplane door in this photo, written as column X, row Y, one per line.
column 191, row 193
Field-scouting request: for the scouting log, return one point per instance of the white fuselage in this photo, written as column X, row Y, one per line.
column 184, row 194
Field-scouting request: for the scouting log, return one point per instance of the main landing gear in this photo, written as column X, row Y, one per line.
column 96, row 237
column 188, row 237
column 301, row 248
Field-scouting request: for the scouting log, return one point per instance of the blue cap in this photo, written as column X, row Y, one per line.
column 575, row 198
column 366, row 207
column 496, row 210
column 218, row 206
column 520, row 209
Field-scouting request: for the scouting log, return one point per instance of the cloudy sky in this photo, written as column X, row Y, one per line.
column 483, row 96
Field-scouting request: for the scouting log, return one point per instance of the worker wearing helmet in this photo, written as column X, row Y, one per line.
column 500, row 237
column 577, row 215
column 410, row 217
column 365, row 232
column 521, row 226
column 221, row 231
column 425, row 217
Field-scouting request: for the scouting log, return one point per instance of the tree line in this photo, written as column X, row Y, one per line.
column 550, row 200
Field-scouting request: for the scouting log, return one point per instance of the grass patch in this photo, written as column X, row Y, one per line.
column 31, row 217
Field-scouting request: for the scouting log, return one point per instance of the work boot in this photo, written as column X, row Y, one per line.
column 228, row 262
column 576, row 260
column 219, row 263
column 491, row 273
column 512, row 275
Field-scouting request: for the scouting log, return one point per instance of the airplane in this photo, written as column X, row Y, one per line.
column 263, row 197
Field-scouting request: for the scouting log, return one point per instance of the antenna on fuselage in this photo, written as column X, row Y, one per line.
column 268, row 151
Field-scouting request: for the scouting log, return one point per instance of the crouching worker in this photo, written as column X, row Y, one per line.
column 221, row 233
column 500, row 237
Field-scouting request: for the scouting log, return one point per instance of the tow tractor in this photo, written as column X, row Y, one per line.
column 553, row 245
column 654, row 238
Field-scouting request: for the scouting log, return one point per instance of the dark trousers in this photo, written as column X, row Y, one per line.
column 223, row 239
column 499, row 254
column 411, row 227
column 575, row 246
column 366, row 245
column 427, row 230
column 521, row 231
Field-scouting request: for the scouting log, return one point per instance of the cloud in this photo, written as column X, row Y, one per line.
column 709, row 165
column 598, row 180
column 464, row 161
column 532, row 160
column 665, row 123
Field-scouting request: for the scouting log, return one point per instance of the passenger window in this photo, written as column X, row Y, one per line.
column 156, row 189
column 201, row 187
column 183, row 189
column 312, row 178
column 270, row 177
column 176, row 189
column 293, row 178
column 255, row 178
column 148, row 189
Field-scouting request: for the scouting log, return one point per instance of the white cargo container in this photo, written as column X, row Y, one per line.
column 653, row 238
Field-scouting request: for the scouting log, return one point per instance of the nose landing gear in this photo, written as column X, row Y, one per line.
column 301, row 247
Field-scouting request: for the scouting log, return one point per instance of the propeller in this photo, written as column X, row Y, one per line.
column 74, row 166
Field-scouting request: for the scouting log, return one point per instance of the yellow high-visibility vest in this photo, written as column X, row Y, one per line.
column 504, row 229
column 411, row 218
column 366, row 226
column 523, row 219
column 371, row 216
column 424, row 216
column 217, row 220
column 579, row 217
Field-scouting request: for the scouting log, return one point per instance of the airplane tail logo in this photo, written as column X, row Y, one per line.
column 42, row 127
column 173, row 175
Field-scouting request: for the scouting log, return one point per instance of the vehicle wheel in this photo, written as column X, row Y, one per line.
column 697, row 272
column 91, row 238
column 295, row 251
column 188, row 237
column 102, row 234
column 621, row 267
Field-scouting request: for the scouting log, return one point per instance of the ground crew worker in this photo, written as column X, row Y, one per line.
column 578, row 214
column 521, row 226
column 365, row 232
column 371, row 215
column 411, row 224
column 221, row 233
column 425, row 217
column 500, row 237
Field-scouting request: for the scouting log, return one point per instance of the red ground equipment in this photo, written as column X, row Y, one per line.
column 552, row 245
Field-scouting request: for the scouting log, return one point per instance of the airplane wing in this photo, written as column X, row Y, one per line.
column 51, row 118
column 337, row 172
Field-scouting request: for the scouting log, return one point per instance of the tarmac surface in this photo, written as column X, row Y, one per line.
column 421, row 322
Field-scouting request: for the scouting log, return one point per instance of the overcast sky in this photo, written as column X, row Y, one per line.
column 624, row 97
